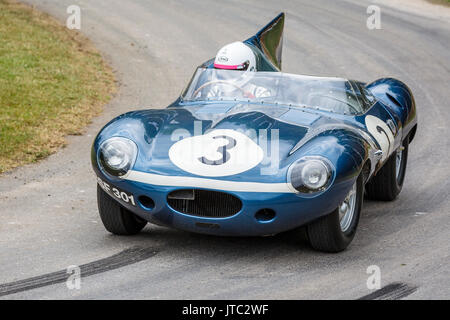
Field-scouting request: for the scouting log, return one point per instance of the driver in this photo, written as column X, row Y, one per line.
column 239, row 57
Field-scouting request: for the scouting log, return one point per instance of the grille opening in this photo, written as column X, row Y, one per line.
column 146, row 202
column 204, row 203
column 265, row 215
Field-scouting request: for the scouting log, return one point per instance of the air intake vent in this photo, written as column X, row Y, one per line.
column 204, row 203
column 395, row 101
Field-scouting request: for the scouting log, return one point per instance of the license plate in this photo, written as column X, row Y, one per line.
column 116, row 192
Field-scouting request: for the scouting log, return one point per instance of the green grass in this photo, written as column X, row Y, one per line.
column 442, row 2
column 52, row 82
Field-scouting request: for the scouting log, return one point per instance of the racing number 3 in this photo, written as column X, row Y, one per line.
column 231, row 143
column 218, row 153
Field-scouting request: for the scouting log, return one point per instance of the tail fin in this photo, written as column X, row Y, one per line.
column 270, row 40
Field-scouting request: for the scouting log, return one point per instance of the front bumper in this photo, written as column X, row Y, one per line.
column 291, row 210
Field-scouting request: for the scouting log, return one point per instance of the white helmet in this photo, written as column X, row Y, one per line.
column 235, row 56
column 238, row 57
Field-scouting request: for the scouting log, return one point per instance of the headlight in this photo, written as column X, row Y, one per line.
column 310, row 174
column 117, row 155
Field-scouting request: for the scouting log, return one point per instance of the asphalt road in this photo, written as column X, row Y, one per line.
column 48, row 211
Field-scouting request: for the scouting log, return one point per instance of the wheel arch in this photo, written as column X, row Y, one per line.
column 366, row 170
column 412, row 133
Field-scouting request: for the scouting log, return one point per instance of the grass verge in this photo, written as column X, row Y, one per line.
column 441, row 2
column 52, row 82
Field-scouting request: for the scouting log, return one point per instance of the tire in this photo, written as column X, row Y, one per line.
column 326, row 233
column 116, row 218
column 386, row 184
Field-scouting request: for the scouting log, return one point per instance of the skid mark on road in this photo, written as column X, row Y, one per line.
column 121, row 259
column 393, row 291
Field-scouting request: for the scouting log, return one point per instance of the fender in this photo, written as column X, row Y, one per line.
column 347, row 151
column 399, row 100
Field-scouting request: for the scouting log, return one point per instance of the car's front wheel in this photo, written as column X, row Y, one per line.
column 116, row 218
column 335, row 231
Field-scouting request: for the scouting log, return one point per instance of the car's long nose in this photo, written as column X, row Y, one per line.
column 236, row 127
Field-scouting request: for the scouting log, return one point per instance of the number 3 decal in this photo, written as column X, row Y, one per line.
column 382, row 133
column 219, row 153
column 221, row 150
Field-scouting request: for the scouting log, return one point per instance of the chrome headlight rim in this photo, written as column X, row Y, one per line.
column 124, row 170
column 304, row 190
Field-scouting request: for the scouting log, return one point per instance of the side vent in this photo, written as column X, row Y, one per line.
column 394, row 100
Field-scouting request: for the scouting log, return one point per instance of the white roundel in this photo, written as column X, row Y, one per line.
column 382, row 133
column 218, row 153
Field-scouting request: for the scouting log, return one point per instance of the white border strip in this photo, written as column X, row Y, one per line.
column 194, row 182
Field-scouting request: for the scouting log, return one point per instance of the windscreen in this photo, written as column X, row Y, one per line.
column 328, row 94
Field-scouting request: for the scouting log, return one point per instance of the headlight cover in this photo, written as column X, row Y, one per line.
column 117, row 156
column 310, row 174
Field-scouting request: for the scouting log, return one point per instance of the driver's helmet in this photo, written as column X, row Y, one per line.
column 235, row 56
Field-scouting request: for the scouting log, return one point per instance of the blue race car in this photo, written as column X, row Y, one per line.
column 248, row 150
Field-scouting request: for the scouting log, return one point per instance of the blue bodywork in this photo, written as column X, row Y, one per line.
column 342, row 139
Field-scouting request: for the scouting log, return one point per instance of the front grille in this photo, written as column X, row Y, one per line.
column 204, row 203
